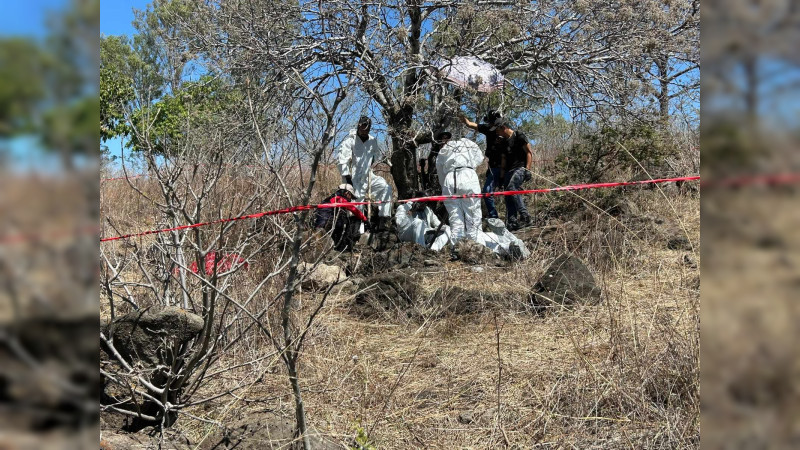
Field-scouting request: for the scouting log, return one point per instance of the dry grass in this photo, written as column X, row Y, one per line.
column 623, row 373
column 751, row 374
column 47, row 246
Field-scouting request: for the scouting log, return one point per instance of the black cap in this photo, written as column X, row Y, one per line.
column 443, row 135
column 365, row 121
column 491, row 116
column 500, row 122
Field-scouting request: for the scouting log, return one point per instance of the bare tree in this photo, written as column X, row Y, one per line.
column 284, row 123
column 671, row 53
column 749, row 52
column 582, row 53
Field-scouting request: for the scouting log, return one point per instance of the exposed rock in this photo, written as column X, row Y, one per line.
column 678, row 242
column 566, row 281
column 264, row 431
column 477, row 416
column 320, row 277
column 142, row 335
column 466, row 417
column 152, row 339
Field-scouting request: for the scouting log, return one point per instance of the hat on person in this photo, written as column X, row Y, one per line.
column 365, row 122
column 500, row 122
column 347, row 187
column 491, row 116
column 443, row 135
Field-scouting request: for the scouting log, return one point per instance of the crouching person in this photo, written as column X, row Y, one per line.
column 417, row 223
column 455, row 166
column 345, row 221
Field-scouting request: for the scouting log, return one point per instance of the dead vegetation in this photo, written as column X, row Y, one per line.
column 470, row 366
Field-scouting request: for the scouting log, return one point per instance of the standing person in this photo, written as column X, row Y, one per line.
column 493, row 174
column 423, row 152
column 417, row 223
column 516, row 162
column 456, row 165
column 344, row 221
column 355, row 157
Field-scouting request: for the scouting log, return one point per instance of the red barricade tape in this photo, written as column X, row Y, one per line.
column 436, row 198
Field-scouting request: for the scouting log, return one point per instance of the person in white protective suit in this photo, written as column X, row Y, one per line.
column 355, row 157
column 417, row 223
column 501, row 241
column 455, row 166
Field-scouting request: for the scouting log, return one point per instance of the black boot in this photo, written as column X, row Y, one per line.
column 524, row 221
column 512, row 224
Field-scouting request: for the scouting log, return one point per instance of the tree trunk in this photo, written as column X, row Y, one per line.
column 404, row 167
column 663, row 93
column 404, row 154
column 299, row 409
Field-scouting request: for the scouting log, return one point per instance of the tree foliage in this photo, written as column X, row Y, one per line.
column 22, row 63
column 589, row 57
column 582, row 54
column 116, row 84
column 70, row 127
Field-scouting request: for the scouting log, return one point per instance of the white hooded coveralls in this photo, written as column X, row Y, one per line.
column 411, row 226
column 355, row 158
column 455, row 166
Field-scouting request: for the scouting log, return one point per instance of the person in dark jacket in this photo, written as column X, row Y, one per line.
column 493, row 153
column 345, row 221
column 516, row 163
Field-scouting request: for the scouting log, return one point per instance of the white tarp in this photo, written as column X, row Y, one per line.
column 501, row 241
column 471, row 72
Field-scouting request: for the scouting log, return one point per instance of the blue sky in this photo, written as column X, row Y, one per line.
column 116, row 15
column 21, row 17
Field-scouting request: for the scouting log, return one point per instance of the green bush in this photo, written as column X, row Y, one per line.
column 611, row 152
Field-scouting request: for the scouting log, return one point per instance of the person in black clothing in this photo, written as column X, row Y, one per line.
column 493, row 152
column 516, row 162
column 346, row 226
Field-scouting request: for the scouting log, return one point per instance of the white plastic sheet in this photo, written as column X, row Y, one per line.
column 472, row 73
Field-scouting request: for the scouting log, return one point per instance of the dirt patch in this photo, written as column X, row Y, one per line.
column 402, row 295
column 115, row 440
column 264, row 431
column 470, row 252
column 401, row 256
